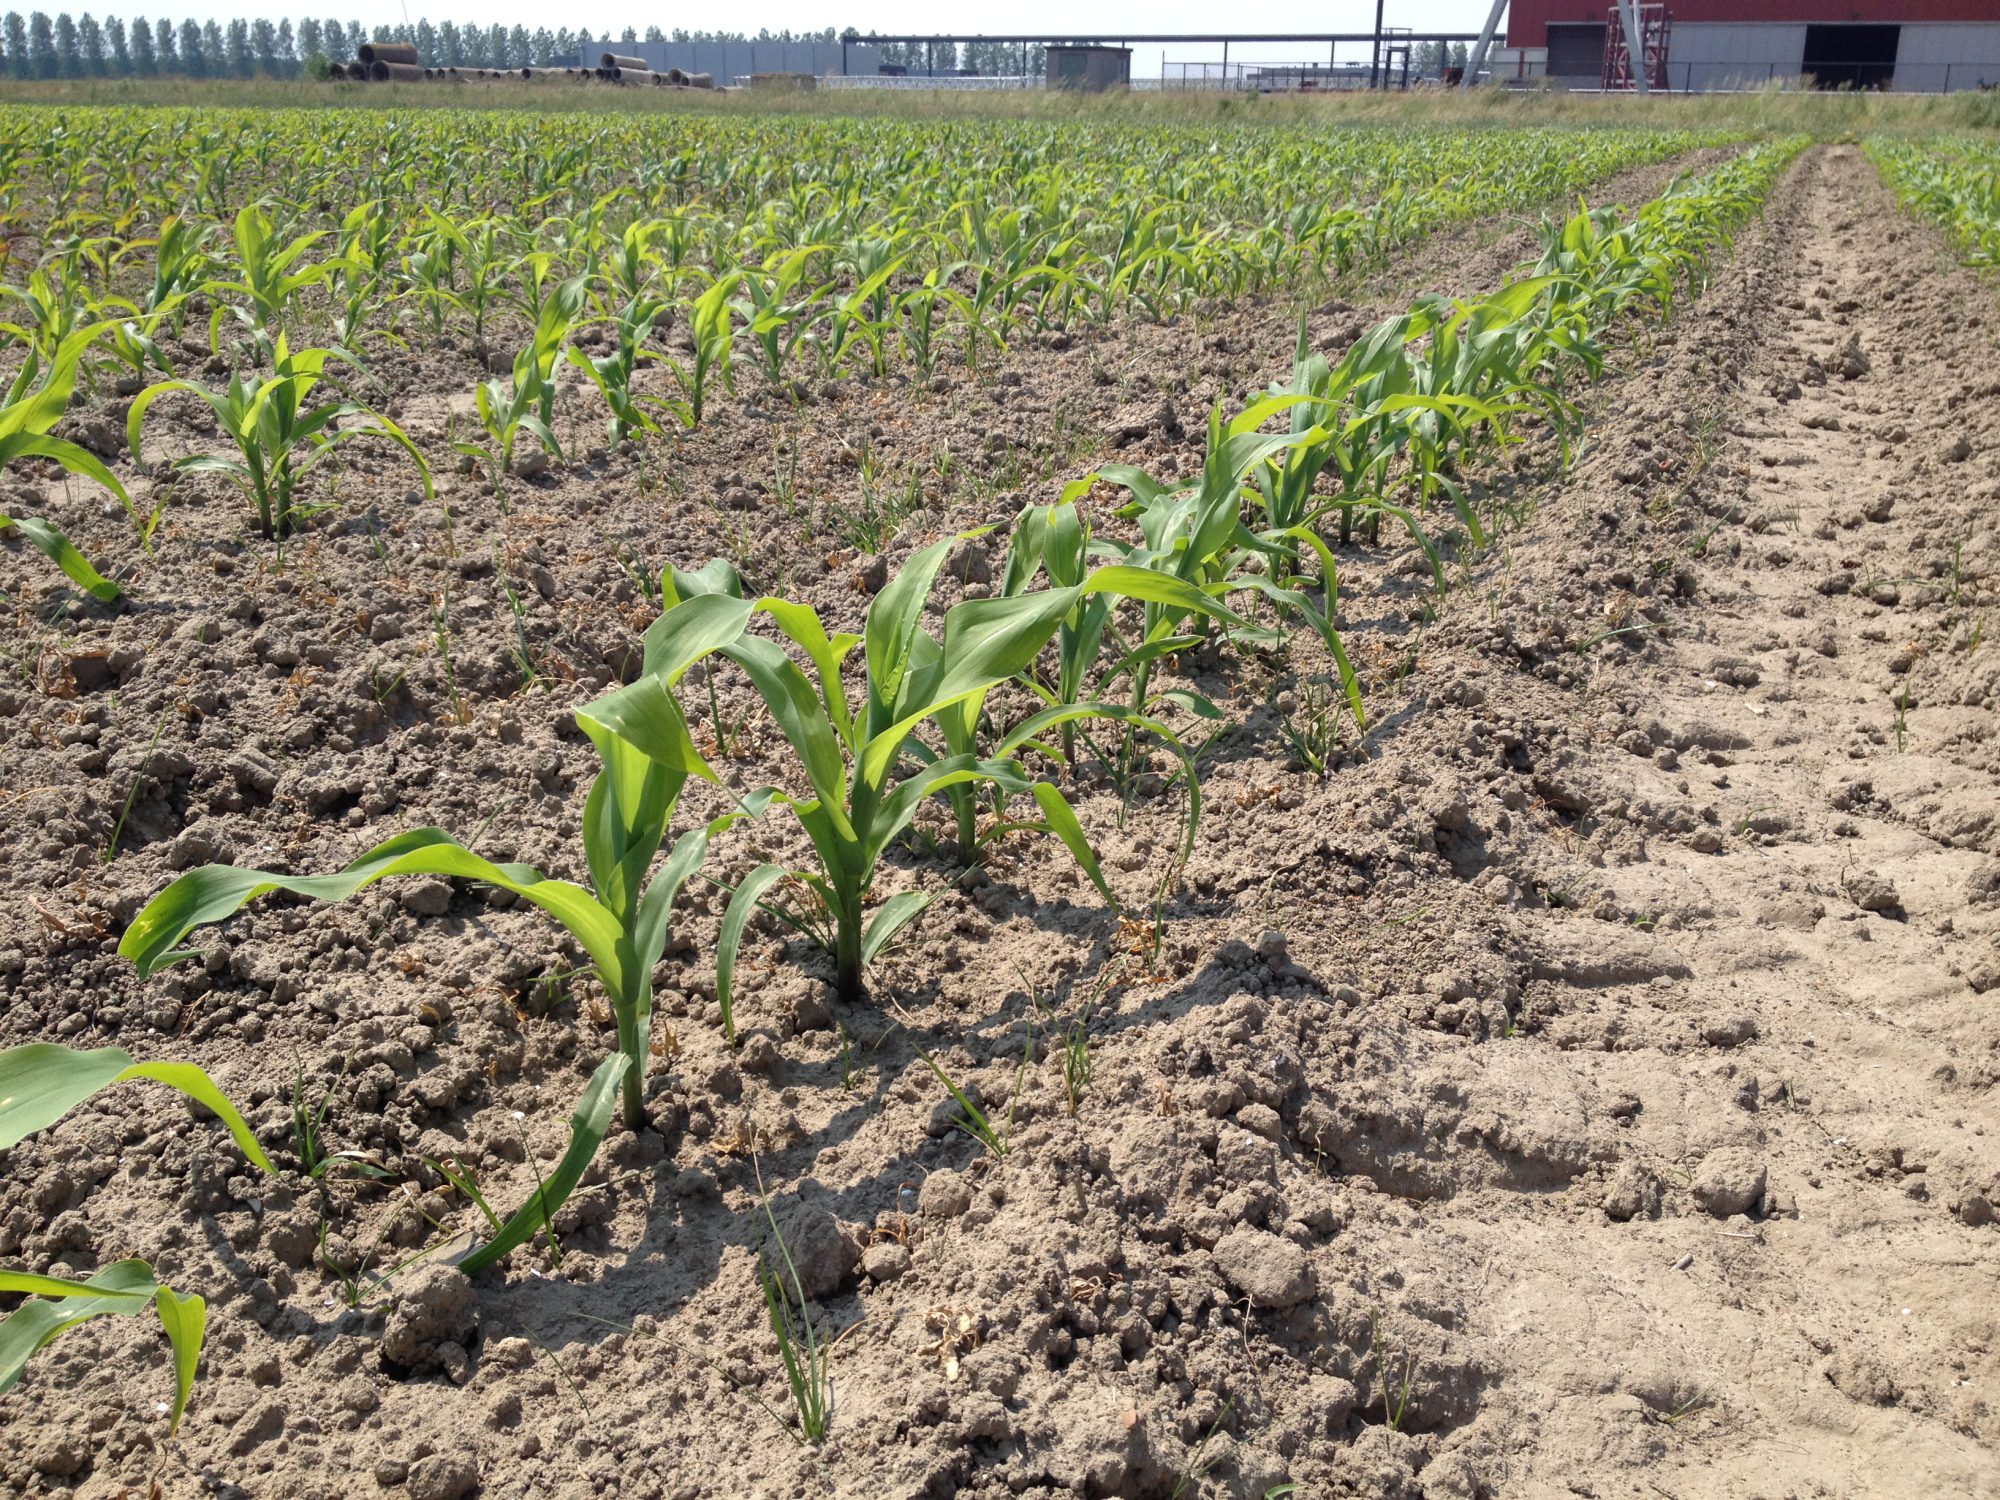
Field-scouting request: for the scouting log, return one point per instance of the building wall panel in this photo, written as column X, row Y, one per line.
column 1527, row 20
column 729, row 61
column 1941, row 59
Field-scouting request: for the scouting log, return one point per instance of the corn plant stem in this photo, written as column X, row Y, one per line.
column 847, row 961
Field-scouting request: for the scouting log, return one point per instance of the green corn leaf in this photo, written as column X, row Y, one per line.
column 121, row 1289
column 185, row 1320
column 58, row 548
column 894, row 915
column 717, row 576
column 1154, row 587
column 40, row 1082
column 894, row 622
column 734, row 919
column 901, row 804
column 217, row 891
column 587, row 1126
column 1062, row 822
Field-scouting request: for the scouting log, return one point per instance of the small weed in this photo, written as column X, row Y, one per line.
column 872, row 523
column 807, row 1360
column 441, row 634
column 975, row 1122
column 524, row 654
column 132, row 795
column 309, row 1129
column 1395, row 1406
column 1198, row 1464
column 1682, row 1410
column 1312, row 725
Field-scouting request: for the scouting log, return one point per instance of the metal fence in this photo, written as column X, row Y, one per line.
column 1277, row 77
column 948, row 81
column 1732, row 78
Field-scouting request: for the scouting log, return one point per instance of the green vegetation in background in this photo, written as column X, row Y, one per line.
column 1954, row 182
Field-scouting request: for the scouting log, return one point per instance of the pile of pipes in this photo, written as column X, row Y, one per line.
column 636, row 71
column 397, row 62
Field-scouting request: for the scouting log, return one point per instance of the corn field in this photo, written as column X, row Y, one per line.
column 402, row 474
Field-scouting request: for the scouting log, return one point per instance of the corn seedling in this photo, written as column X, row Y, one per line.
column 279, row 434
column 121, row 1289
column 612, row 373
column 850, row 755
column 714, row 336
column 527, row 401
column 270, row 275
column 778, row 311
column 32, row 408
column 620, row 920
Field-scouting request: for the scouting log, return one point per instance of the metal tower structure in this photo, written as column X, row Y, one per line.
column 1640, row 29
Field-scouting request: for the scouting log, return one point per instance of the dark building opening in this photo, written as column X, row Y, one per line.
column 1855, row 57
column 1576, row 51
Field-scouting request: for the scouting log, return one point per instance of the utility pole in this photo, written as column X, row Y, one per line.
column 1478, row 59
column 1635, row 50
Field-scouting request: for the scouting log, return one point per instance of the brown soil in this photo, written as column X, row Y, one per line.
column 1588, row 1088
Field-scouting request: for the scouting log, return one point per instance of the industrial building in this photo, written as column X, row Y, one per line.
column 1913, row 46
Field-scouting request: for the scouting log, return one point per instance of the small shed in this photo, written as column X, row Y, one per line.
column 1094, row 70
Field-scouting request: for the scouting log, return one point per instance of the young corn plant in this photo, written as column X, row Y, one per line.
column 612, row 373
column 271, row 275
column 180, row 263
column 280, row 435
column 482, row 253
column 620, row 919
column 31, row 410
column 714, row 337
column 917, row 314
column 851, row 755
column 1054, row 540
column 1193, row 531
column 527, row 402
column 1358, row 450
column 778, row 309
column 40, row 1082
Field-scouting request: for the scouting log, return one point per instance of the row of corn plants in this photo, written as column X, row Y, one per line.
column 792, row 248
column 815, row 247
column 1955, row 183
column 981, row 704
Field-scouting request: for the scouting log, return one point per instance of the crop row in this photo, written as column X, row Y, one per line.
column 796, row 247
column 853, row 240
column 1955, row 183
column 977, row 707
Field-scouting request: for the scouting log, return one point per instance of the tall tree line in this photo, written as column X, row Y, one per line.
column 41, row 47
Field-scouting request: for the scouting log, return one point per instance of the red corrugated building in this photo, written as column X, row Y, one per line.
column 1912, row 45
